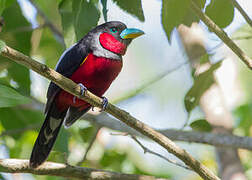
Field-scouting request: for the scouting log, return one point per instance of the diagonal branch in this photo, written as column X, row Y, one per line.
column 221, row 34
column 63, row 170
column 73, row 88
column 243, row 13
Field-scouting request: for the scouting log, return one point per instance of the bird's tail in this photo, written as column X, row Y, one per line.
column 45, row 140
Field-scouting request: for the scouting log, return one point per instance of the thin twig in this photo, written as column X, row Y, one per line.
column 90, row 144
column 73, row 88
column 243, row 13
column 146, row 150
column 222, row 35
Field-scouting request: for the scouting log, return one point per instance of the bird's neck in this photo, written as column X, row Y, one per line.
column 93, row 40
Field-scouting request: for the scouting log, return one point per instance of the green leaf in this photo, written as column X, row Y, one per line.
column 16, row 118
column 176, row 12
column 78, row 18
column 87, row 133
column 5, row 4
column 20, row 40
column 201, row 83
column 201, row 125
column 2, row 46
column 86, row 17
column 48, row 48
column 133, row 7
column 113, row 154
column 190, row 16
column 67, row 21
column 205, row 58
column 9, row 97
column 221, row 12
column 243, row 116
column 173, row 13
column 104, row 10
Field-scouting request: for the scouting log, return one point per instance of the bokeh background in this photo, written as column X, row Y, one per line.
column 160, row 68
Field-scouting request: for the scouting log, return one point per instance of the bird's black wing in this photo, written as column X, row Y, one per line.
column 67, row 65
column 69, row 62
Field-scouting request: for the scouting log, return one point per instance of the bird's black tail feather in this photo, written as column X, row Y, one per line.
column 46, row 139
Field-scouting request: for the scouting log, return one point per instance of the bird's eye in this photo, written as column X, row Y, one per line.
column 113, row 30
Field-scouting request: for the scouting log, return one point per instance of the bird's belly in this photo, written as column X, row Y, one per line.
column 97, row 74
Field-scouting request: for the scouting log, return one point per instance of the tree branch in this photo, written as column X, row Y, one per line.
column 222, row 140
column 103, row 120
column 63, row 170
column 243, row 13
column 73, row 88
column 146, row 150
column 221, row 34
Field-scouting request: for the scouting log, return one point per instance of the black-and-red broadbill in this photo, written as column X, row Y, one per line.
column 93, row 62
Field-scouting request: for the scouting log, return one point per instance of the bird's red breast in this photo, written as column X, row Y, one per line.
column 97, row 74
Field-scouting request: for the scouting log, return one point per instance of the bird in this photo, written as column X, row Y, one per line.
column 93, row 62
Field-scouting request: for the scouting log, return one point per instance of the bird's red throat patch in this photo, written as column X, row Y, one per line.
column 110, row 43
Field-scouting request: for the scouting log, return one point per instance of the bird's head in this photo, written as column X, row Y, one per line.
column 113, row 37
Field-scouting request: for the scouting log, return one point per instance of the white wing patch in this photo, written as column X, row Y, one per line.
column 53, row 123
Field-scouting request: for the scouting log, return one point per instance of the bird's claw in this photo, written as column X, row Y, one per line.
column 104, row 104
column 82, row 91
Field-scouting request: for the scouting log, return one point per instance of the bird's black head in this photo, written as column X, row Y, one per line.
column 113, row 36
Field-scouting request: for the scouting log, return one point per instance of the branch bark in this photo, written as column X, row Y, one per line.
column 63, row 170
column 71, row 87
column 222, row 35
column 215, row 139
column 243, row 13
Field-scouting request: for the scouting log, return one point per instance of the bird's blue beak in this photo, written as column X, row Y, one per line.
column 131, row 33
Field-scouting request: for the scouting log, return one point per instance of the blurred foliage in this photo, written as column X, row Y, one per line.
column 133, row 7
column 176, row 12
column 9, row 97
column 243, row 116
column 74, row 18
column 221, row 12
column 202, row 82
column 201, row 125
column 243, row 37
column 73, row 15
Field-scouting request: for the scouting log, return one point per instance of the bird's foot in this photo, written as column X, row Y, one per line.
column 104, row 104
column 83, row 91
